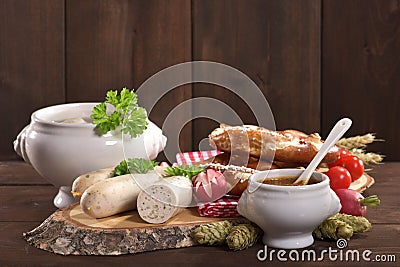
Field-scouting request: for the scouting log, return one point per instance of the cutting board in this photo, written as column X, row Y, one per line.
column 70, row 231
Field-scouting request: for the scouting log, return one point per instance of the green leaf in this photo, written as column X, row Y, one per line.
column 121, row 169
column 140, row 165
column 98, row 113
column 112, row 97
column 127, row 114
column 137, row 165
column 128, row 101
column 135, row 123
column 184, row 170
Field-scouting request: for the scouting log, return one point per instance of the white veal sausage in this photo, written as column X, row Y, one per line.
column 84, row 181
column 115, row 195
column 165, row 199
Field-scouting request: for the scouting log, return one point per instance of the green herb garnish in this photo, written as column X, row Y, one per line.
column 138, row 165
column 127, row 114
column 184, row 170
column 121, row 169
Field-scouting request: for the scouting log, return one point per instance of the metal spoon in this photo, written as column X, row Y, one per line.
column 336, row 133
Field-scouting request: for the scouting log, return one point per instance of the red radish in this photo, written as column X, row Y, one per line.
column 353, row 203
column 209, row 186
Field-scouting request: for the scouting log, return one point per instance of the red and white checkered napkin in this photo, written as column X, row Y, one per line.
column 188, row 158
column 223, row 207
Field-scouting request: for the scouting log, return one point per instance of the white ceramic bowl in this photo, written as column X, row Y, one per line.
column 288, row 214
column 62, row 151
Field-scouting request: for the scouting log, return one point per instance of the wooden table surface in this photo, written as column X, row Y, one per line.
column 26, row 200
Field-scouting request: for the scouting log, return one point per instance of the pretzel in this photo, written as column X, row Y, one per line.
column 241, row 160
column 283, row 146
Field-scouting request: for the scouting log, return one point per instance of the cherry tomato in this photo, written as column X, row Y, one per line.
column 343, row 153
column 353, row 164
column 339, row 177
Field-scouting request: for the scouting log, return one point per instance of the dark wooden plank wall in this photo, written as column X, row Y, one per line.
column 98, row 48
column 314, row 60
column 361, row 69
column 112, row 44
column 276, row 43
column 31, row 63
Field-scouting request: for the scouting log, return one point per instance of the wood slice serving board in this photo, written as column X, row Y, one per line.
column 70, row 231
column 362, row 183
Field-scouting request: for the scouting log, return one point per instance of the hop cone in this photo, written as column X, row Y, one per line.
column 242, row 236
column 333, row 228
column 358, row 223
column 212, row 233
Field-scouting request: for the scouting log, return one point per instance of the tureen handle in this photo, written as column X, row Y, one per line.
column 335, row 206
column 19, row 144
column 253, row 186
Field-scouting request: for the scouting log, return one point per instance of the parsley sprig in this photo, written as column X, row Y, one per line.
column 138, row 165
column 184, row 170
column 127, row 114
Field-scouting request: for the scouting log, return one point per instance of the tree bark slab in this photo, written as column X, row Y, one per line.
column 71, row 232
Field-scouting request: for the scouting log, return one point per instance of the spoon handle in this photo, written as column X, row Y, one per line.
column 336, row 133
